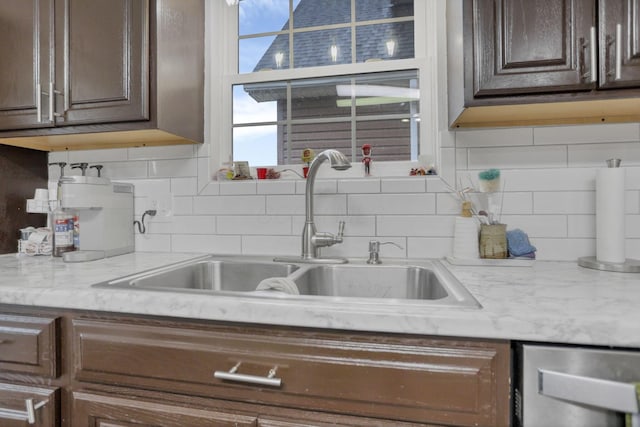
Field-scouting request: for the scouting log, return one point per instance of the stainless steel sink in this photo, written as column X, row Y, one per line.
column 366, row 281
column 207, row 274
column 424, row 282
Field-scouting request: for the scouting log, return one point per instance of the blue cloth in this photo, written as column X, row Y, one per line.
column 518, row 243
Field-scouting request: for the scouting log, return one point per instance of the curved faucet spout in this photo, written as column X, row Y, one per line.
column 337, row 161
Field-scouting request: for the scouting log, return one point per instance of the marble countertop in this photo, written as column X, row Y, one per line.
column 549, row 301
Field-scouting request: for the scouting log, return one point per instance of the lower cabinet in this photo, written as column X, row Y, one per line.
column 22, row 406
column 108, row 370
column 89, row 409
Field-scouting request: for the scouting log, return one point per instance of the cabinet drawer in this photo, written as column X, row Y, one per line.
column 13, row 405
column 28, row 345
column 402, row 378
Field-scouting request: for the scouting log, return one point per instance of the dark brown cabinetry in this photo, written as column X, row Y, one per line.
column 86, row 61
column 73, row 70
column 29, row 358
column 533, row 47
column 529, row 62
column 113, row 370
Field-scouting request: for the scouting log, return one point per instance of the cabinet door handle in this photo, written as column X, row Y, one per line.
column 38, row 104
column 618, row 64
column 31, row 409
column 594, row 55
column 233, row 375
column 607, row 394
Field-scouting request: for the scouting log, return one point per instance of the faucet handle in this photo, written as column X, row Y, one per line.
column 340, row 230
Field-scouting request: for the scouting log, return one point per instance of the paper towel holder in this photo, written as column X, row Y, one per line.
column 628, row 266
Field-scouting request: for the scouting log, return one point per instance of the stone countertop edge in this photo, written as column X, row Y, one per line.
column 554, row 302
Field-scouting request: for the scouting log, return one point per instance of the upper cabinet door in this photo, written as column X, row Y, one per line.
column 103, row 61
column 26, row 29
column 619, row 43
column 533, row 46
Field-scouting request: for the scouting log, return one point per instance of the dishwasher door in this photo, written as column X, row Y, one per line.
column 576, row 386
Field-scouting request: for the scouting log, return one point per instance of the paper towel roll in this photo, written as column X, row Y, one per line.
column 610, row 215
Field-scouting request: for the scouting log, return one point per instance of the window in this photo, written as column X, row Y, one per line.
column 321, row 74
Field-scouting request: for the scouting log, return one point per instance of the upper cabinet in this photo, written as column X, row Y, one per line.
column 101, row 73
column 523, row 53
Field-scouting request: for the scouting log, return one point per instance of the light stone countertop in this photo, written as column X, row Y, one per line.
column 549, row 302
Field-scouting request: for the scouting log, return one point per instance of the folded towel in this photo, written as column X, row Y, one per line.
column 281, row 284
column 633, row 420
column 518, row 243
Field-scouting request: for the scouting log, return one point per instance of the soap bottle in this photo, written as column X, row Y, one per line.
column 465, row 235
column 63, row 229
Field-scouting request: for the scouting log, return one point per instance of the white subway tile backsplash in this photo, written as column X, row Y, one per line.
column 269, row 186
column 494, row 137
column 415, row 225
column 448, row 204
column 595, row 155
column 632, row 248
column 206, row 243
column 429, row 247
column 124, row 170
column 462, row 158
column 370, row 185
column 582, row 226
column 173, row 168
column 561, row 179
column 403, row 185
column 182, row 205
column 211, row 189
column 232, row 188
column 151, row 187
column 390, row 204
column 517, row 157
column 271, row 245
column 538, row 225
column 632, row 178
column 632, row 226
column 584, row 134
column 205, row 174
column 517, row 203
column 632, row 202
column 254, row 224
column 285, row 205
column 171, row 152
column 193, row 224
column 184, row 186
column 229, row 205
column 563, row 249
column 153, row 242
column 98, row 156
column 564, row 202
column 321, row 186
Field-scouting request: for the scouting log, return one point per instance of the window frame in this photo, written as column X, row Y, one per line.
column 222, row 71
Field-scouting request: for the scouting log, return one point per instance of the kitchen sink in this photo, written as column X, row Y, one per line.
column 423, row 282
column 364, row 281
column 205, row 274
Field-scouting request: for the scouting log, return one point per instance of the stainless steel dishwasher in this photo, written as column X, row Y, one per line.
column 576, row 386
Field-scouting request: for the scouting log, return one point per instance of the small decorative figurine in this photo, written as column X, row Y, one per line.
column 307, row 156
column 366, row 158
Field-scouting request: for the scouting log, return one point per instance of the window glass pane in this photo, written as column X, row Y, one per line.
column 326, row 47
column 256, row 16
column 263, row 53
column 257, row 103
column 313, row 98
column 311, row 13
column 389, row 93
column 384, row 41
column 389, row 139
column 367, row 10
column 255, row 144
column 318, row 137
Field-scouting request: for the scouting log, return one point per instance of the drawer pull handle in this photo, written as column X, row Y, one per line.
column 233, row 375
column 31, row 409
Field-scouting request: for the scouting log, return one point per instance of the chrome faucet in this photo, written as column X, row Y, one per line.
column 313, row 240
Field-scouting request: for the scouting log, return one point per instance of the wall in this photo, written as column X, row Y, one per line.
column 548, row 174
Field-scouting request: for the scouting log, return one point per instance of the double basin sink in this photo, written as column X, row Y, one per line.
column 424, row 282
